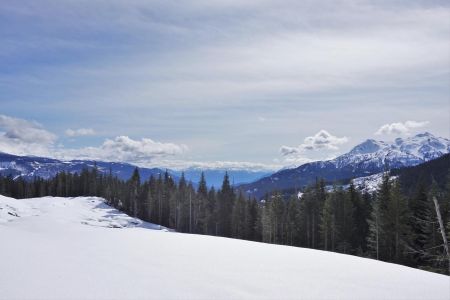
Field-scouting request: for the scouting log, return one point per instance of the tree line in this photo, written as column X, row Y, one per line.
column 391, row 224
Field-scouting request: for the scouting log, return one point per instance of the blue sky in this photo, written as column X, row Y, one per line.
column 259, row 84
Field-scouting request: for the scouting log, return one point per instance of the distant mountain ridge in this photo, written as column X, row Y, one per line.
column 367, row 158
column 214, row 177
column 33, row 166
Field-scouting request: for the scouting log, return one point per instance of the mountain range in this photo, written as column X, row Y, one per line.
column 32, row 166
column 367, row 158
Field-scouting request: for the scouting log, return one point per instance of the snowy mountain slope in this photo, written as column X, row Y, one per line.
column 32, row 166
column 435, row 169
column 62, row 248
column 368, row 158
column 401, row 153
column 367, row 184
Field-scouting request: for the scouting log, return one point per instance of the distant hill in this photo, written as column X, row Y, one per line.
column 437, row 169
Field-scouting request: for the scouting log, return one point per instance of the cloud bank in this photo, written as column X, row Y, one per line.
column 321, row 140
column 125, row 149
column 400, row 128
column 18, row 136
column 22, row 137
column 219, row 165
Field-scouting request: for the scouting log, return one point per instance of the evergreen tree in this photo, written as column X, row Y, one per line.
column 239, row 218
column 211, row 213
column 225, row 204
column 420, row 226
column 398, row 215
column 344, row 221
column 152, row 211
column 375, row 230
column 252, row 220
column 327, row 224
column 201, row 206
column 266, row 223
column 276, row 210
column 134, row 184
column 378, row 224
column 361, row 213
column 167, row 190
column 292, row 221
column 182, row 206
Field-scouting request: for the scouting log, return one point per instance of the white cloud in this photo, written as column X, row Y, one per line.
column 148, row 153
column 221, row 165
column 79, row 132
column 400, row 128
column 125, row 149
column 18, row 136
column 22, row 137
column 321, row 140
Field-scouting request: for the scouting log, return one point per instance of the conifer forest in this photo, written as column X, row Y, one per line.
column 394, row 224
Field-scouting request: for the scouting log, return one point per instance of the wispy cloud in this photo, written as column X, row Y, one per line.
column 79, row 132
column 203, row 72
column 401, row 128
column 218, row 165
column 261, row 47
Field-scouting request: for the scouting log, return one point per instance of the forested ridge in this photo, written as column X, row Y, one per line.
column 396, row 224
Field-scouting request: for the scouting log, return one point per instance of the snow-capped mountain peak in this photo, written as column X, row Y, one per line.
column 369, row 146
column 424, row 145
column 401, row 152
column 368, row 158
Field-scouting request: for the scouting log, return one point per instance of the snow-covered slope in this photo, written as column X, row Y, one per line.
column 369, row 184
column 367, row 158
column 62, row 248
